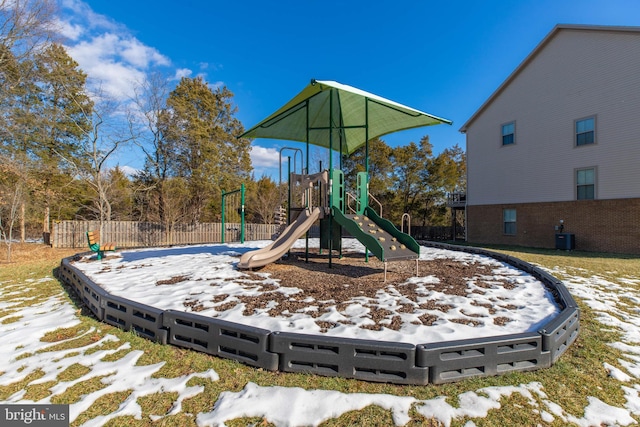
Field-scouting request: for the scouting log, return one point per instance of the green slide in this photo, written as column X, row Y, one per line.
column 378, row 235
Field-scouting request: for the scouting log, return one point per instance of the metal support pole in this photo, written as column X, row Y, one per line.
column 306, row 235
column 307, row 134
column 366, row 137
column 289, row 197
column 242, row 213
column 366, row 169
column 385, row 271
column 242, row 224
column 222, row 219
column 289, row 185
column 330, row 169
column 308, row 205
column 322, row 204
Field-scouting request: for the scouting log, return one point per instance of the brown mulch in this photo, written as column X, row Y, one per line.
column 352, row 276
column 172, row 281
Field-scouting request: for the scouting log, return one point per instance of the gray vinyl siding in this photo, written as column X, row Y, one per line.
column 577, row 74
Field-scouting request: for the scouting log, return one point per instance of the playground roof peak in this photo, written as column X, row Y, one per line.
column 339, row 117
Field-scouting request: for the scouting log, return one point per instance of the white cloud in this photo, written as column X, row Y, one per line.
column 208, row 66
column 182, row 72
column 83, row 12
column 264, row 157
column 97, row 57
column 114, row 60
column 98, row 48
column 139, row 55
column 265, row 162
column 128, row 170
column 212, row 85
column 68, row 30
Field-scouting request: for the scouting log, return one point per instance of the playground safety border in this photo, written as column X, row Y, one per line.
column 368, row 360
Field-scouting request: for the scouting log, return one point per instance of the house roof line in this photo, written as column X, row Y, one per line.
column 535, row 53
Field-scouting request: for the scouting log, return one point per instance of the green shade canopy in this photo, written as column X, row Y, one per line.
column 339, row 117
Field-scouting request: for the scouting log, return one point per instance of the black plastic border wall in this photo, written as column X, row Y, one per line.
column 89, row 292
column 561, row 332
column 368, row 360
column 456, row 360
column 243, row 343
column 70, row 276
column 130, row 315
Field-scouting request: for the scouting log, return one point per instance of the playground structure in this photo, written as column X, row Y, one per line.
column 307, row 215
column 236, row 212
column 322, row 197
column 341, row 118
column 314, row 117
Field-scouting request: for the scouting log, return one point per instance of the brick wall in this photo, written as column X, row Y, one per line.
column 598, row 225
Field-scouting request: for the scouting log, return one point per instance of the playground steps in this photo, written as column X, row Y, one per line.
column 393, row 250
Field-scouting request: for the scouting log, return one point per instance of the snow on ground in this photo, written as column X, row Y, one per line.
column 22, row 354
column 205, row 272
column 25, row 320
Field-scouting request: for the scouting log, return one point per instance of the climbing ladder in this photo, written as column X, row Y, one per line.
column 378, row 235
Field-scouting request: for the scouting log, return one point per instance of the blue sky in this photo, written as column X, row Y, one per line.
column 444, row 58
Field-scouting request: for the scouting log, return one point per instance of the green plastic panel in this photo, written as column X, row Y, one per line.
column 387, row 226
column 337, row 189
column 362, row 190
column 354, row 229
column 336, row 234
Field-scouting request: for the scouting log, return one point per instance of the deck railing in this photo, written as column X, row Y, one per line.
column 456, row 200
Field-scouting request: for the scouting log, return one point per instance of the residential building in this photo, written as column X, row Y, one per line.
column 557, row 146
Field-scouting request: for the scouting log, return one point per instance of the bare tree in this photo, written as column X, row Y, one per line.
column 110, row 129
column 150, row 100
column 25, row 26
column 263, row 200
column 13, row 181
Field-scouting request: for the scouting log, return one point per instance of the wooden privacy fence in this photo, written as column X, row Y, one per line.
column 131, row 234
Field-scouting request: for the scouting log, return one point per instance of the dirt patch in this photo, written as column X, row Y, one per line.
column 25, row 253
column 352, row 275
column 172, row 281
column 193, row 305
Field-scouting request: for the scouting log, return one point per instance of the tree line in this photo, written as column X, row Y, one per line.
column 59, row 137
column 411, row 179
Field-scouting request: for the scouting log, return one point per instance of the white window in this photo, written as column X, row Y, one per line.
column 509, row 221
column 586, row 131
column 586, row 184
column 509, row 133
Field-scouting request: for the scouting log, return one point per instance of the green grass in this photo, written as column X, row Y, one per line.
column 578, row 374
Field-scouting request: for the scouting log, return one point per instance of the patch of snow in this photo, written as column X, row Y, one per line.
column 209, row 271
column 294, row 406
column 23, row 353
